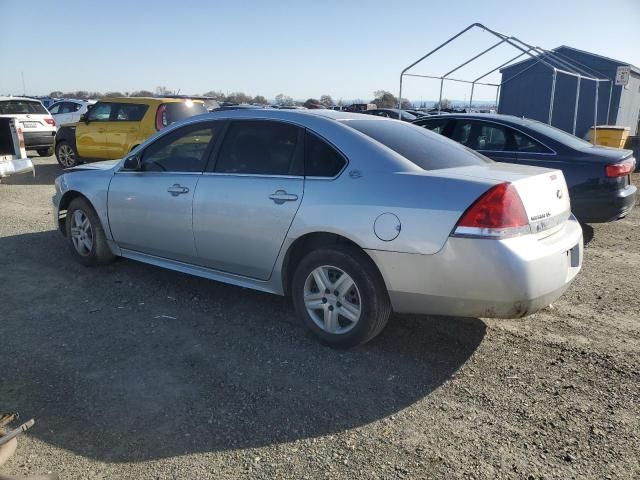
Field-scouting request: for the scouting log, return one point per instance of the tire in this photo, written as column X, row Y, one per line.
column 67, row 155
column 368, row 293
column 89, row 246
column 45, row 152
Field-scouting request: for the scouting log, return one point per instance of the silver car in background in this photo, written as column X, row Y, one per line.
column 352, row 215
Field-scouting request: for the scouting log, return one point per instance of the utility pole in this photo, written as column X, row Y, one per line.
column 24, row 90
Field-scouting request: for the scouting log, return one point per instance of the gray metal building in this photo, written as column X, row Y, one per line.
column 527, row 86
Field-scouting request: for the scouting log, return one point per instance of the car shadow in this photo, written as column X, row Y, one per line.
column 129, row 362
column 45, row 174
column 587, row 233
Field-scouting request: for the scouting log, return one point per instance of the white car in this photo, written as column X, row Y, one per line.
column 38, row 126
column 69, row 111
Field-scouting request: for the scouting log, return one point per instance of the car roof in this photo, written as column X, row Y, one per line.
column 147, row 100
column 290, row 114
column 496, row 117
column 4, row 99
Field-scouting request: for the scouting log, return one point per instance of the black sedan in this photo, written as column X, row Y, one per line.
column 392, row 113
column 598, row 177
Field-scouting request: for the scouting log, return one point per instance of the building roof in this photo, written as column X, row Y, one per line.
column 578, row 66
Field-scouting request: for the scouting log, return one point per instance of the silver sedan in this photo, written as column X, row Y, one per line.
column 353, row 216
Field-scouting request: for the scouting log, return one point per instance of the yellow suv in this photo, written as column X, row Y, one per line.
column 113, row 127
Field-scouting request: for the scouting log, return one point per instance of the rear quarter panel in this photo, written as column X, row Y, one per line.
column 427, row 205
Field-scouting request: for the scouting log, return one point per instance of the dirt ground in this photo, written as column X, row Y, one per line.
column 132, row 371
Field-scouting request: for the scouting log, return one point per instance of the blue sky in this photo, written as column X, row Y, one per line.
column 346, row 48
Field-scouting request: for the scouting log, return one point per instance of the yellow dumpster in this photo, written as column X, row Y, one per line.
column 609, row 135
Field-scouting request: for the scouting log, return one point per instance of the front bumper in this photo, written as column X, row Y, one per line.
column 605, row 207
column 35, row 140
column 482, row 277
column 16, row 165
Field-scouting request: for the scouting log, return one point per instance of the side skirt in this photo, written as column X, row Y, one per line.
column 198, row 271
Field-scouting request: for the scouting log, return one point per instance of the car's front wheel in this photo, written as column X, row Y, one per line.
column 85, row 235
column 67, row 155
column 341, row 296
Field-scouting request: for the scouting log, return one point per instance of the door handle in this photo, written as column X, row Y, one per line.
column 177, row 189
column 281, row 196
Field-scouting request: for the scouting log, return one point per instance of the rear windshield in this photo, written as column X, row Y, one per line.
column 558, row 135
column 428, row 150
column 21, row 107
column 179, row 110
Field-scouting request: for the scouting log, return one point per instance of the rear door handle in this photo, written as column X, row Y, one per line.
column 177, row 189
column 101, row 130
column 281, row 196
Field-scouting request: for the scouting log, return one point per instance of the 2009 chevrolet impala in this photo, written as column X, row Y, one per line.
column 353, row 216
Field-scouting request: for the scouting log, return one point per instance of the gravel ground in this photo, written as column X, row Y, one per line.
column 132, row 371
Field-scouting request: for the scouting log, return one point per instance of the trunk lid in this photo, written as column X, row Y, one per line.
column 543, row 191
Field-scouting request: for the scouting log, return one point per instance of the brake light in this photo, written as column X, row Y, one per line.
column 498, row 213
column 620, row 169
column 161, row 117
column 20, row 138
column 50, row 121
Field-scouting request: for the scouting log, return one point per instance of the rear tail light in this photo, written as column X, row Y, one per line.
column 498, row 213
column 620, row 169
column 161, row 117
column 20, row 137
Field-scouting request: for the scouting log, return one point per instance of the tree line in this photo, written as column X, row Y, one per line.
column 382, row 98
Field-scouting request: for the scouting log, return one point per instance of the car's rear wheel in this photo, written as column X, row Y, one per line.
column 67, row 155
column 340, row 296
column 45, row 152
column 85, row 235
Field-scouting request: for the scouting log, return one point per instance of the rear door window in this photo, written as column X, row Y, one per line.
column 437, row 125
column 321, row 159
column 527, row 144
column 55, row 109
column 130, row 112
column 482, row 136
column 259, row 148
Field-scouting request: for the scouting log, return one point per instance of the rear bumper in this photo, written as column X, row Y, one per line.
column 484, row 278
column 13, row 166
column 606, row 207
column 34, row 140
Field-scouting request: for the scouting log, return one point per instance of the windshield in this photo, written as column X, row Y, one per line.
column 428, row 150
column 21, row 107
column 558, row 135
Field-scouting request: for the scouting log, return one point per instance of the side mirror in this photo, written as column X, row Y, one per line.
column 133, row 162
column 84, row 118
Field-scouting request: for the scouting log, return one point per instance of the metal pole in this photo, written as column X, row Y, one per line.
column 497, row 97
column 440, row 100
column 400, row 93
column 609, row 104
column 575, row 111
column 553, row 94
column 595, row 115
column 471, row 96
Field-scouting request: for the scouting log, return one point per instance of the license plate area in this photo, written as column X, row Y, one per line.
column 30, row 124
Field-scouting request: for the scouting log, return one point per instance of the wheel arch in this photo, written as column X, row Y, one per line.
column 307, row 243
column 65, row 201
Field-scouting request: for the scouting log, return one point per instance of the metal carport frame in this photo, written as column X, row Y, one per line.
column 555, row 62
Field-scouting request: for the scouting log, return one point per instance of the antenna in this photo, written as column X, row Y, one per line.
column 24, row 90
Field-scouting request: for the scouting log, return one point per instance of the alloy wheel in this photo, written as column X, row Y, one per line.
column 66, row 155
column 81, row 233
column 332, row 299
